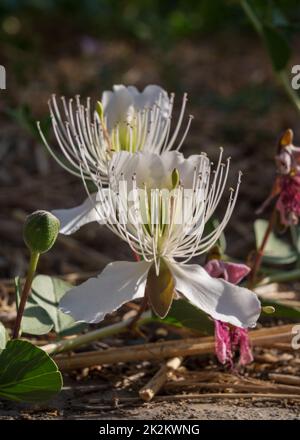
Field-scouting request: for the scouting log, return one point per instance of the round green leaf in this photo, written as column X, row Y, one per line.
column 47, row 292
column 277, row 250
column 35, row 320
column 27, row 373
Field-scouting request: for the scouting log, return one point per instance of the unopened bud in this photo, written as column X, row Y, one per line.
column 40, row 231
column 175, row 178
column 268, row 309
column 99, row 110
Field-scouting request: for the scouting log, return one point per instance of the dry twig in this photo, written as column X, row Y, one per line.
column 165, row 349
column 159, row 379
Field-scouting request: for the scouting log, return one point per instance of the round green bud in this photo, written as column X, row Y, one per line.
column 40, row 231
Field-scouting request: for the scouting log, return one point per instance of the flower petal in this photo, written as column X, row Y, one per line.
column 236, row 272
column 232, row 272
column 156, row 170
column 72, row 219
column 121, row 104
column 118, row 283
column 217, row 297
column 116, row 105
column 222, row 342
column 246, row 356
column 160, row 289
column 150, row 95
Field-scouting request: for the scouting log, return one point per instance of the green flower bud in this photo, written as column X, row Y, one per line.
column 99, row 110
column 175, row 178
column 40, row 231
column 268, row 309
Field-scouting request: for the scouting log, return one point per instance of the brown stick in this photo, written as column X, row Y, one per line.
column 159, row 379
column 260, row 251
column 285, row 378
column 160, row 350
column 282, row 346
column 207, row 396
column 266, row 386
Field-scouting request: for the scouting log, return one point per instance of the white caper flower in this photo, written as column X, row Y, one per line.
column 160, row 204
column 124, row 120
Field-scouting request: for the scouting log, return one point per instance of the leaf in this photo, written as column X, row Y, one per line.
column 35, row 320
column 3, row 336
column 278, row 47
column 281, row 310
column 47, row 292
column 295, row 233
column 184, row 314
column 277, row 251
column 27, row 373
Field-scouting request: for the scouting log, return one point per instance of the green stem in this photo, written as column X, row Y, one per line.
column 291, row 275
column 34, row 258
column 284, row 80
column 72, row 344
column 252, row 17
column 282, row 76
column 260, row 251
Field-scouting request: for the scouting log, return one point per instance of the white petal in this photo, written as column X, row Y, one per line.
column 74, row 218
column 155, row 170
column 153, row 94
column 118, row 283
column 147, row 167
column 120, row 104
column 116, row 105
column 220, row 299
column 186, row 167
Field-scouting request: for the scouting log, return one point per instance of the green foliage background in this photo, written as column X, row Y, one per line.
column 152, row 21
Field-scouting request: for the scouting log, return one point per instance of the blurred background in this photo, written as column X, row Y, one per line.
column 209, row 49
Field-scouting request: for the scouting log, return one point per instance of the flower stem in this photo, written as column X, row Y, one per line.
column 72, row 344
column 34, row 258
column 284, row 80
column 281, row 277
column 260, row 252
column 252, row 17
column 282, row 75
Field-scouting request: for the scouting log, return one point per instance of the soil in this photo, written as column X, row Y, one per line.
column 62, row 408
